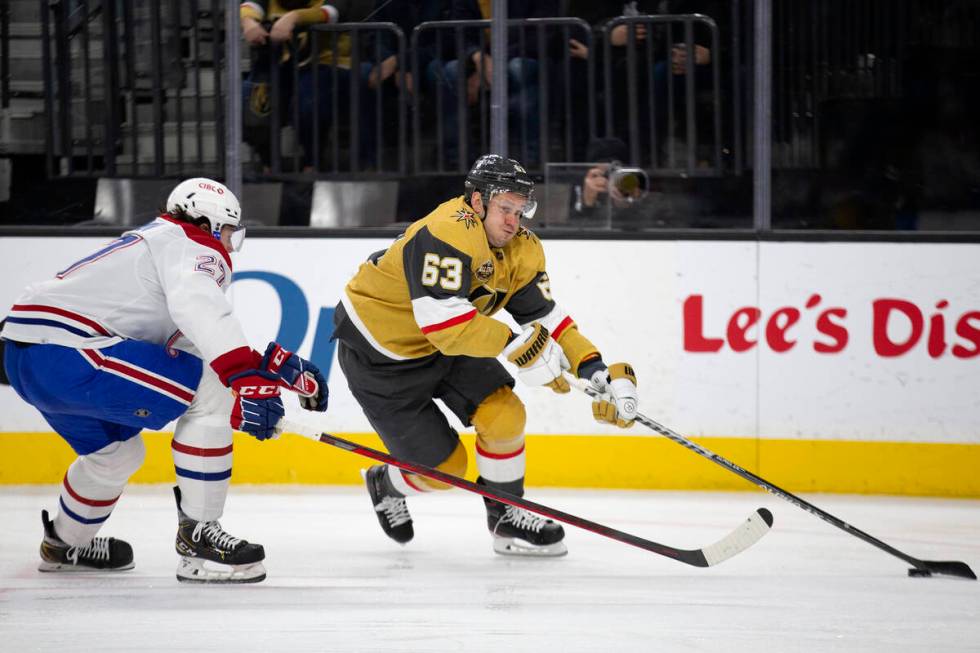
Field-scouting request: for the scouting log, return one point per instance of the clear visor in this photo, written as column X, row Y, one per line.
column 527, row 205
column 238, row 238
column 530, row 207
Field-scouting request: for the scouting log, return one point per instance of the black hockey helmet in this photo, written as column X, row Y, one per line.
column 493, row 173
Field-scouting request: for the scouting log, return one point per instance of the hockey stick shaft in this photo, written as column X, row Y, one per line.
column 697, row 558
column 951, row 568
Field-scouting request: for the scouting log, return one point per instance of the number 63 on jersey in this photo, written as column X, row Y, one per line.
column 447, row 271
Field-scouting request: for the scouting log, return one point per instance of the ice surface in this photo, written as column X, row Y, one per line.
column 336, row 583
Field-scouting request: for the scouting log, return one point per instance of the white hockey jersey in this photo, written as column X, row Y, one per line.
column 157, row 283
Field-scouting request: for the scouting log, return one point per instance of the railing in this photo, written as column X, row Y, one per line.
column 453, row 152
column 4, row 55
column 355, row 88
column 136, row 91
column 346, row 128
column 660, row 80
column 109, row 114
column 96, row 103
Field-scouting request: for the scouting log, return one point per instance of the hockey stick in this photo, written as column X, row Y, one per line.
column 744, row 536
column 920, row 567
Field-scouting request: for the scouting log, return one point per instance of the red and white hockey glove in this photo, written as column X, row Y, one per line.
column 257, row 408
column 299, row 375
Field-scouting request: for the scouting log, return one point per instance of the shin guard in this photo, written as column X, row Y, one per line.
column 499, row 422
column 91, row 488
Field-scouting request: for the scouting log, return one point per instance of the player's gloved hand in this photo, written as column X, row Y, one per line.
column 618, row 385
column 258, row 407
column 299, row 375
column 539, row 359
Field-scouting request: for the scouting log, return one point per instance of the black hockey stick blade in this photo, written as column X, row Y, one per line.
column 926, row 568
column 744, row 536
column 920, row 568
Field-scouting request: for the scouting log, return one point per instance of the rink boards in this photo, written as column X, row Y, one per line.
column 834, row 366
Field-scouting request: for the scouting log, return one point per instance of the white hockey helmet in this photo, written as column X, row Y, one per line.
column 200, row 197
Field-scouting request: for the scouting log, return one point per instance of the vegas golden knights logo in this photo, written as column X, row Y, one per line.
column 466, row 218
column 485, row 271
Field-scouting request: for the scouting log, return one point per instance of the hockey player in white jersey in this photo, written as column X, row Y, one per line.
column 133, row 336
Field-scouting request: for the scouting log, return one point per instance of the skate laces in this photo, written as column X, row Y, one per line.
column 522, row 519
column 214, row 535
column 97, row 549
column 395, row 510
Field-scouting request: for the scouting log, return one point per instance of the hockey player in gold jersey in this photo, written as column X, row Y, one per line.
column 414, row 324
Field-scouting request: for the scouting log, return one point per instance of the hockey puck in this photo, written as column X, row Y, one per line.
column 922, row 573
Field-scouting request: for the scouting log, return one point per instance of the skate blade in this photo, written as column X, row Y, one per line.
column 68, row 568
column 515, row 546
column 195, row 570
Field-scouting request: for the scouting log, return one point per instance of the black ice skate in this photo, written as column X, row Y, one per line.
column 101, row 554
column 199, row 542
column 392, row 511
column 522, row 533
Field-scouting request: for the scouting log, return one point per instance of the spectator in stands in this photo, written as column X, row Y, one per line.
column 264, row 33
column 668, row 70
column 522, row 76
column 580, row 54
column 407, row 14
column 289, row 21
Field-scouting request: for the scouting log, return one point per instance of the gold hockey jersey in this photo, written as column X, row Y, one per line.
column 312, row 12
column 438, row 284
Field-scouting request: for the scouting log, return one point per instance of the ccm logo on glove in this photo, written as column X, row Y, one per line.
column 257, row 391
column 279, row 358
column 257, row 408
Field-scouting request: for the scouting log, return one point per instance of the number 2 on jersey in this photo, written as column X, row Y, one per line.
column 446, row 271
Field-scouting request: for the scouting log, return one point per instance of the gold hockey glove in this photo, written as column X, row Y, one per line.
column 618, row 385
column 538, row 358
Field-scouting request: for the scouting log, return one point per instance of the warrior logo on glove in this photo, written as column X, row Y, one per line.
column 539, row 359
column 532, row 349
